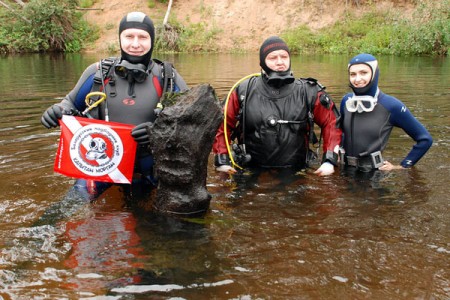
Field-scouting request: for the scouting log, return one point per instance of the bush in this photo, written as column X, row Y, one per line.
column 428, row 32
column 53, row 25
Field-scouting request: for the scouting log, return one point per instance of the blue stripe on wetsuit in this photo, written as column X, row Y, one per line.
column 85, row 89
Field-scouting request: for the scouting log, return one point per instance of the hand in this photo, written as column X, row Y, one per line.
column 325, row 169
column 51, row 116
column 226, row 169
column 387, row 166
column 141, row 133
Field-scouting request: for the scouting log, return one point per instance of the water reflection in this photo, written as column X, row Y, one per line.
column 267, row 236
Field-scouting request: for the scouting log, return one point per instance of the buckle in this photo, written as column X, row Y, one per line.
column 377, row 159
column 352, row 161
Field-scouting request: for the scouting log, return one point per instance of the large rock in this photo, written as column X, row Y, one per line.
column 181, row 141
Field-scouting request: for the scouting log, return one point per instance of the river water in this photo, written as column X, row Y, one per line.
column 266, row 237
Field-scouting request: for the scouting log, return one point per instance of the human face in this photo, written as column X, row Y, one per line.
column 360, row 75
column 278, row 60
column 136, row 42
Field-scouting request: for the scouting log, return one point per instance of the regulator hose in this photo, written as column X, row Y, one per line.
column 91, row 105
column 225, row 110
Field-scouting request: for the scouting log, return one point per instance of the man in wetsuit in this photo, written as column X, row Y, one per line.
column 133, row 85
column 271, row 116
column 368, row 117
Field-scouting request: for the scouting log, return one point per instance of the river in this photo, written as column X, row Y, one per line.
column 270, row 237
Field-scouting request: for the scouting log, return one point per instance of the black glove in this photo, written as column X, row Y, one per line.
column 221, row 159
column 51, row 116
column 141, row 133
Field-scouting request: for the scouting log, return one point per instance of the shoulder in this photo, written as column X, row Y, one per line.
column 87, row 77
column 107, row 63
column 248, row 80
column 345, row 98
column 104, row 64
column 311, row 83
column 391, row 103
column 92, row 68
column 159, row 66
column 247, row 83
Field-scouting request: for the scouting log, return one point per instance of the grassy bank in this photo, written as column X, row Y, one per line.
column 426, row 33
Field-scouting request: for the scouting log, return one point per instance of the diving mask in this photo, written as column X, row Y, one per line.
column 138, row 72
column 361, row 104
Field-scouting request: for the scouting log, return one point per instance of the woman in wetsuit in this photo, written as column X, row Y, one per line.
column 368, row 116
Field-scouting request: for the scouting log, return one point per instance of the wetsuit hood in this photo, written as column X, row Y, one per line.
column 138, row 20
column 369, row 60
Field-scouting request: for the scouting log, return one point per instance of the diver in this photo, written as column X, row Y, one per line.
column 367, row 118
column 134, row 84
column 272, row 114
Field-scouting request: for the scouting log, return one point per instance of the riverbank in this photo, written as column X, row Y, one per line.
column 390, row 27
column 241, row 26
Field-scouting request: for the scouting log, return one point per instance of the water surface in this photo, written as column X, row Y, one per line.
column 264, row 237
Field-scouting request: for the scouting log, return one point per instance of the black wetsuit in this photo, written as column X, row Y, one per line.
column 368, row 132
column 275, row 122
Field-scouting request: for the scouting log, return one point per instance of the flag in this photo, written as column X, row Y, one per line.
column 95, row 149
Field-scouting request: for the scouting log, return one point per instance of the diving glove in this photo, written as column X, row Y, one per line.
column 325, row 169
column 52, row 115
column 223, row 164
column 141, row 133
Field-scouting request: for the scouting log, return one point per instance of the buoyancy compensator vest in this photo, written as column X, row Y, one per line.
column 300, row 153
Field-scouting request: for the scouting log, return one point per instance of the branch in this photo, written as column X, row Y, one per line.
column 20, row 3
column 166, row 17
column 82, row 8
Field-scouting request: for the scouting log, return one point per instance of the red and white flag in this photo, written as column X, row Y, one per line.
column 95, row 149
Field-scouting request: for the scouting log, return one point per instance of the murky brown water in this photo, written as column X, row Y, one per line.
column 266, row 237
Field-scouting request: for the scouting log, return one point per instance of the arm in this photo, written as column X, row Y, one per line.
column 403, row 118
column 180, row 84
column 76, row 97
column 220, row 146
column 73, row 102
column 327, row 117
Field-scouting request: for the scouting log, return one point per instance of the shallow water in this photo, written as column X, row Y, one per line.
column 265, row 237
